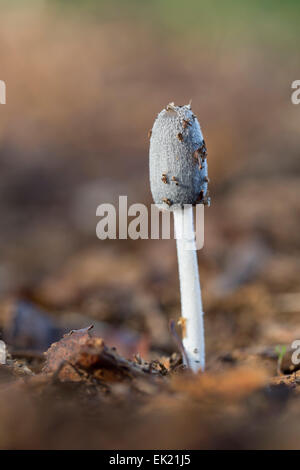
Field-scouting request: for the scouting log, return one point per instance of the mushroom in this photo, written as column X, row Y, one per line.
column 183, row 161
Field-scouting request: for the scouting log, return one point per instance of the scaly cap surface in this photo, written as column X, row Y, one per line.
column 178, row 163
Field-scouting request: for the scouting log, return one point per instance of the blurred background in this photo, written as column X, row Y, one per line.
column 85, row 80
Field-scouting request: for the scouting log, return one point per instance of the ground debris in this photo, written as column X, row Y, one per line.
column 231, row 385
column 27, row 327
column 290, row 380
column 80, row 356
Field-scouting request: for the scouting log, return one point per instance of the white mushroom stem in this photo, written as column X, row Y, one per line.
column 191, row 303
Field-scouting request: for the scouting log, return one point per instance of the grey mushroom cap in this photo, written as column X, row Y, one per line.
column 178, row 164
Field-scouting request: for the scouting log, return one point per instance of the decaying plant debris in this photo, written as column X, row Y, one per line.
column 107, row 401
column 79, row 356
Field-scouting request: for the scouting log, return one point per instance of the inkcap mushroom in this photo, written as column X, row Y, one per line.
column 178, row 180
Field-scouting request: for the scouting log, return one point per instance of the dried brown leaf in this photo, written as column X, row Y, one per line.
column 80, row 356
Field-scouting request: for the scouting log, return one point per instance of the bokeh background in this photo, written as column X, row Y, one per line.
column 85, row 80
